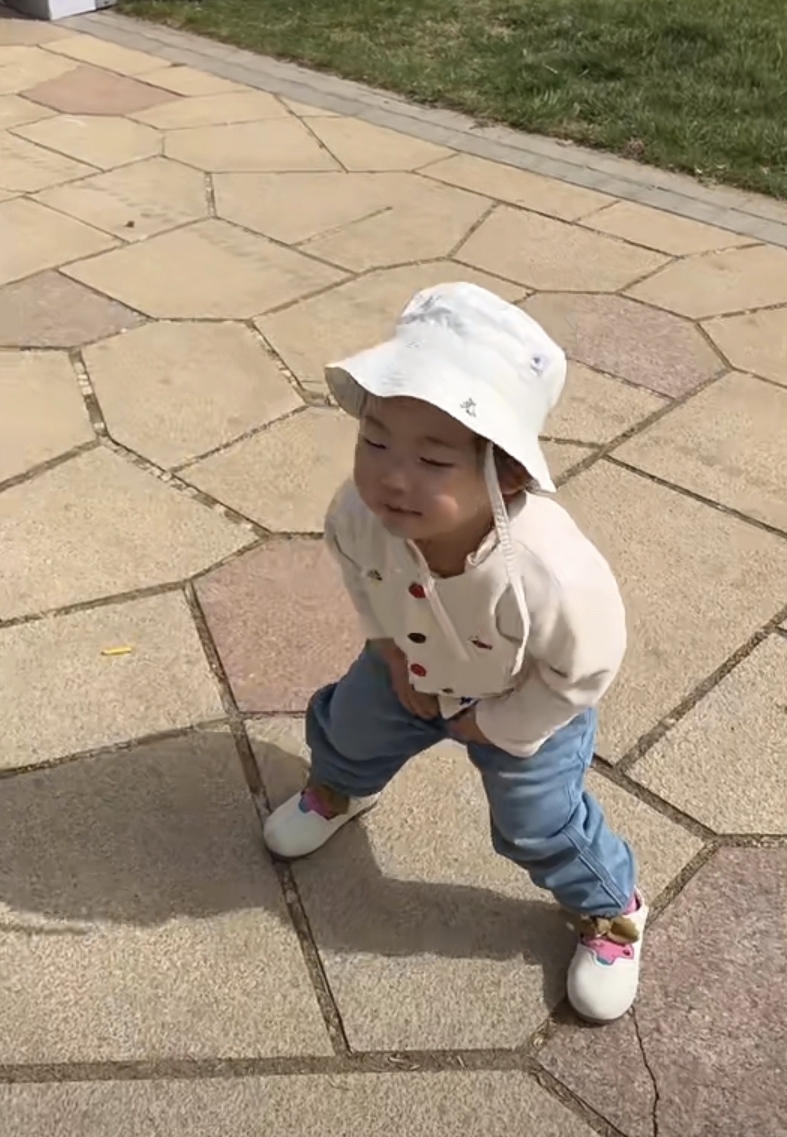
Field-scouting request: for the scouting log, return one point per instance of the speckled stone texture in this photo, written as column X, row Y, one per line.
column 282, row 623
column 706, row 1053
column 185, row 242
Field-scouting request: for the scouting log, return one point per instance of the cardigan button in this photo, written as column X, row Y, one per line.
column 416, row 637
column 418, row 669
column 417, row 590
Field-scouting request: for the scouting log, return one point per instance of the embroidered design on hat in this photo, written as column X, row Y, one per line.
column 539, row 364
column 478, row 642
column 373, row 574
column 468, row 406
column 433, row 309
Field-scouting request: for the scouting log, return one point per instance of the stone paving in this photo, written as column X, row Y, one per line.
column 179, row 254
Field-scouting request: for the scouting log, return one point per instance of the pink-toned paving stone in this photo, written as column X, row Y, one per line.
column 648, row 347
column 49, row 310
column 87, row 90
column 705, row 1051
column 282, row 623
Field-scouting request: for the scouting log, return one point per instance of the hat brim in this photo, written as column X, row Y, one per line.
column 399, row 368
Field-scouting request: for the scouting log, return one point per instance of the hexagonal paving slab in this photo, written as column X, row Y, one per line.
column 360, row 146
column 14, row 110
column 96, row 526
column 87, row 90
column 282, row 623
column 61, row 695
column 275, row 144
column 49, row 310
column 363, row 207
column 210, row 269
column 25, row 168
column 137, row 885
column 305, row 459
column 720, row 282
column 358, row 314
column 106, row 55
column 431, row 1104
column 43, row 412
column 50, row 239
column 295, row 207
column 174, row 391
column 596, row 408
column 727, row 444
column 22, row 67
column 20, row 30
column 689, row 1062
column 104, row 141
column 137, row 201
column 217, row 109
column 542, row 253
column 686, row 619
column 412, row 905
column 650, row 348
column 182, row 80
column 420, row 220
column 517, row 187
column 738, row 728
column 665, row 232
column 756, row 341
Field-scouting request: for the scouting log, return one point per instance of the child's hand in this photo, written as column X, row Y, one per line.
column 418, row 703
column 466, row 729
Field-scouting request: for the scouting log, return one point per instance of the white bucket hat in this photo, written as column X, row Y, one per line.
column 478, row 358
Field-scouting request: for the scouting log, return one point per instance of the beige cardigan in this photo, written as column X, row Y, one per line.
column 466, row 640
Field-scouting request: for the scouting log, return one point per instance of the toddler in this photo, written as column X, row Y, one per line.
column 490, row 618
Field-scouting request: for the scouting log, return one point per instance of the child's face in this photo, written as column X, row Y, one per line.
column 419, row 470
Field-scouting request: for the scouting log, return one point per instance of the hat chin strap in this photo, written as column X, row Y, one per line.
column 503, row 530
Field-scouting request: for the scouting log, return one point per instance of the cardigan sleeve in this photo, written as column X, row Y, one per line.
column 576, row 644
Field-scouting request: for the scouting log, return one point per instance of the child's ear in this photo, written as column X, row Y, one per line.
column 512, row 475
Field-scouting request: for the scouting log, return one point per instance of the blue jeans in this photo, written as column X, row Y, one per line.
column 542, row 818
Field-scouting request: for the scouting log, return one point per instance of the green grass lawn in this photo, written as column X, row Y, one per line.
column 692, row 85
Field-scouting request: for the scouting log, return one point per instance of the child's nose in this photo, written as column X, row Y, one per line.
column 395, row 476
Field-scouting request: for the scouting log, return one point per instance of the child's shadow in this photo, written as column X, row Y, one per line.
column 166, row 830
column 354, row 906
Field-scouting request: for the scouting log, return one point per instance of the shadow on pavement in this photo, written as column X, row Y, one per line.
column 167, row 830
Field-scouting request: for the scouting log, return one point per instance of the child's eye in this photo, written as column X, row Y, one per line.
column 374, row 445
column 437, row 465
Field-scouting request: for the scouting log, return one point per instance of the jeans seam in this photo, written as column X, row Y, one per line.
column 596, row 868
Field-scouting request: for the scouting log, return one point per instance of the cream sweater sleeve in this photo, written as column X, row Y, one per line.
column 575, row 646
column 341, row 535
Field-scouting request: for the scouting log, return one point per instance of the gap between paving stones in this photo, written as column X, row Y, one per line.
column 296, row 910
column 728, row 209
column 755, row 521
column 242, row 744
column 685, row 705
column 223, row 446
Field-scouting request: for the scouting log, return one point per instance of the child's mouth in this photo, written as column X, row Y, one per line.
column 397, row 511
